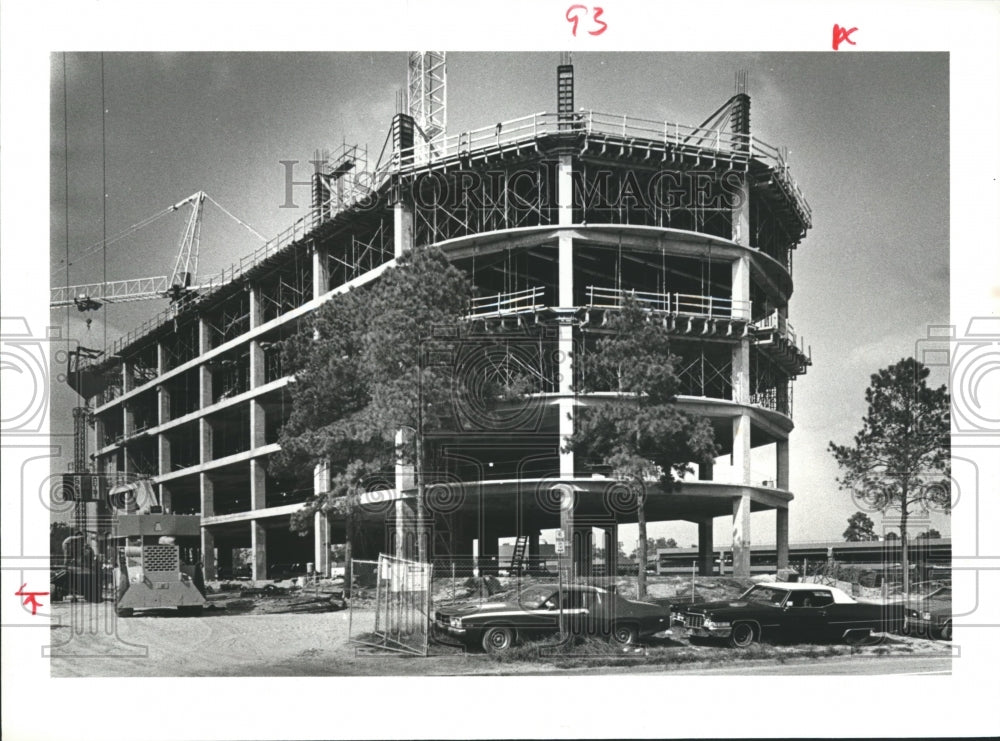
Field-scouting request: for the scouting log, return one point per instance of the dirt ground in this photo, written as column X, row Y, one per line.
column 274, row 633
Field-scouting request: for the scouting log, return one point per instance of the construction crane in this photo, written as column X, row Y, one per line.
column 91, row 296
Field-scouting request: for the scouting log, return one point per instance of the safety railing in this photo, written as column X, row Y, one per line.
column 505, row 133
column 677, row 304
column 774, row 322
column 527, row 301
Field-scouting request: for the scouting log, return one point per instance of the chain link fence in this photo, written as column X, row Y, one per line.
column 397, row 615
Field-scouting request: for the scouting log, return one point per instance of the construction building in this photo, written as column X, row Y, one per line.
column 556, row 218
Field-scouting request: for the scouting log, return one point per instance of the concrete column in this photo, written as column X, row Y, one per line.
column 321, row 543
column 163, row 453
column 321, row 272
column 404, row 535
column 741, row 351
column 204, row 336
column 163, row 404
column 741, row 215
column 98, row 432
column 566, row 299
column 706, row 556
column 258, row 484
column 166, row 501
column 161, row 359
column 405, row 479
column 205, row 439
column 129, row 418
column 208, row 553
column 258, row 425
column 207, row 495
column 741, row 536
column 258, row 544
column 567, row 505
column 255, row 307
column 257, row 378
column 565, row 194
column 204, row 386
column 321, row 478
column 781, row 536
column 781, row 454
column 127, row 378
column 741, row 449
column 611, row 550
column 706, row 471
column 402, row 222
column 741, row 377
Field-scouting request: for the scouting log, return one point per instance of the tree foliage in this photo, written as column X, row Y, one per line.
column 359, row 379
column 639, row 433
column 900, row 459
column 859, row 527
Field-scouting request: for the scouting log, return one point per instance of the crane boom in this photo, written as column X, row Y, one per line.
column 91, row 296
column 112, row 292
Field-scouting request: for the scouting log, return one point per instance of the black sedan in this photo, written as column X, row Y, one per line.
column 542, row 610
column 785, row 610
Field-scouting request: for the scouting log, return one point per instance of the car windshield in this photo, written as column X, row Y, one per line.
column 534, row 598
column 765, row 595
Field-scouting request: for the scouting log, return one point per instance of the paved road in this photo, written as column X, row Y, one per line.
column 856, row 665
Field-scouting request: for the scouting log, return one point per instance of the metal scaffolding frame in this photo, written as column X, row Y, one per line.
column 459, row 203
column 352, row 254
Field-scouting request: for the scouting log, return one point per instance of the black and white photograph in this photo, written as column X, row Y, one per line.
column 382, row 384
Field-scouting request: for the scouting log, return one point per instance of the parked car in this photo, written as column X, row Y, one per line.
column 930, row 614
column 587, row 610
column 784, row 609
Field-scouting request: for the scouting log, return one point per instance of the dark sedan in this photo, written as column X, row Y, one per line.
column 780, row 610
column 539, row 611
column 930, row 615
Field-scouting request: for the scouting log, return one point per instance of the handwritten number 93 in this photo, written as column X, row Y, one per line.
column 573, row 16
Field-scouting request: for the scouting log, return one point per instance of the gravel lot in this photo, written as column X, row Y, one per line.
column 226, row 643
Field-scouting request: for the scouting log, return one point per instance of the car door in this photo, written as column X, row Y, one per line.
column 806, row 612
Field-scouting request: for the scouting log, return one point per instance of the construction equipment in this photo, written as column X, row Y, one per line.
column 157, row 554
column 91, row 296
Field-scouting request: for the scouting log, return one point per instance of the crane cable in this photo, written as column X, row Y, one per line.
column 144, row 223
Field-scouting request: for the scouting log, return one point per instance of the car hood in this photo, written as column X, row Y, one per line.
column 474, row 608
column 935, row 606
column 723, row 606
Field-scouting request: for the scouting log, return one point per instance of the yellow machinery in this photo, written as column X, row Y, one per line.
column 157, row 562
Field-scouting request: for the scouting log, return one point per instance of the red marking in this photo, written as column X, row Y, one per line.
column 840, row 35
column 597, row 15
column 575, row 19
column 30, row 598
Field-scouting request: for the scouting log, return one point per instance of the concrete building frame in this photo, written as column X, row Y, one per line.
column 557, row 219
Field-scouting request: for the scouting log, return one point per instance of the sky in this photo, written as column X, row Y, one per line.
column 868, row 141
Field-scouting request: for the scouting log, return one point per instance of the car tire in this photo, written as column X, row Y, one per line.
column 498, row 640
column 858, row 637
column 624, row 635
column 945, row 632
column 742, row 635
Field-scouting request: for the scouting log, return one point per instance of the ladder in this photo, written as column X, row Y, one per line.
column 517, row 560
